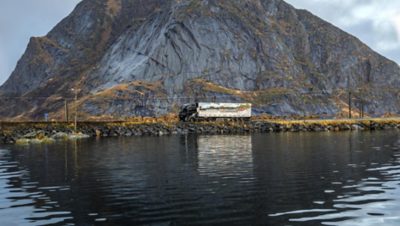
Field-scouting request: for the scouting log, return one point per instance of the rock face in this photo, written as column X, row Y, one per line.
column 135, row 57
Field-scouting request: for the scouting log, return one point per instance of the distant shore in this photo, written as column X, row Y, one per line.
column 45, row 132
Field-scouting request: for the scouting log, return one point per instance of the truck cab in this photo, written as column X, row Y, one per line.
column 188, row 112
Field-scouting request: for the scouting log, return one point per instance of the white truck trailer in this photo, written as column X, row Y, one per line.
column 212, row 111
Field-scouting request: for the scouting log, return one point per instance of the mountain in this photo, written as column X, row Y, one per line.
column 147, row 57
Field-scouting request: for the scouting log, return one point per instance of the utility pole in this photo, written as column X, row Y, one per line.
column 66, row 110
column 76, row 111
column 349, row 92
column 350, row 104
column 362, row 109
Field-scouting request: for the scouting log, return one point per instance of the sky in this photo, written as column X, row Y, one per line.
column 375, row 22
column 22, row 19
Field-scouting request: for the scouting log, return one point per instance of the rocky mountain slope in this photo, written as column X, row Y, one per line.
column 136, row 57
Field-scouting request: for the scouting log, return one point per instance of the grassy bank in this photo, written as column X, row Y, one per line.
column 334, row 122
column 172, row 121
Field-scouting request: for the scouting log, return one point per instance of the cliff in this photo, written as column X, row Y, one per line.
column 134, row 57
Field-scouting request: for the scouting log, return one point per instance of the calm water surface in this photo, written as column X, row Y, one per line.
column 271, row 179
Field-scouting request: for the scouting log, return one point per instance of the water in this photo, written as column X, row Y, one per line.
column 270, row 179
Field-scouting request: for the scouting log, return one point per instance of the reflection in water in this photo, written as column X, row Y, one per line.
column 374, row 201
column 17, row 192
column 270, row 179
column 362, row 194
column 224, row 155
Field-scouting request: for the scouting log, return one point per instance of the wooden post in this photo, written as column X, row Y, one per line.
column 66, row 110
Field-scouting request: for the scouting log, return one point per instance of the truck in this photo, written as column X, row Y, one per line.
column 204, row 111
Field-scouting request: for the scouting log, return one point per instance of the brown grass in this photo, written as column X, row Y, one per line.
column 114, row 7
column 334, row 122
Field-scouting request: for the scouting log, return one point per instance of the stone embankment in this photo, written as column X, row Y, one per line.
column 25, row 133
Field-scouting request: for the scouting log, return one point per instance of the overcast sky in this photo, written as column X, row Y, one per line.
column 21, row 19
column 375, row 22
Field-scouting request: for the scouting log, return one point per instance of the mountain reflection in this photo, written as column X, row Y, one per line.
column 272, row 179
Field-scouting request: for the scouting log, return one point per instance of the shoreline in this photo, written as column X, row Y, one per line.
column 44, row 132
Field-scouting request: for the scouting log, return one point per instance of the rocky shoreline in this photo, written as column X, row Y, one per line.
column 26, row 133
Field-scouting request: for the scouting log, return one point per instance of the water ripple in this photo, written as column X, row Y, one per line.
column 377, row 202
column 23, row 205
column 274, row 179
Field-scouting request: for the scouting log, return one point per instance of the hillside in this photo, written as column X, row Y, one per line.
column 134, row 57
